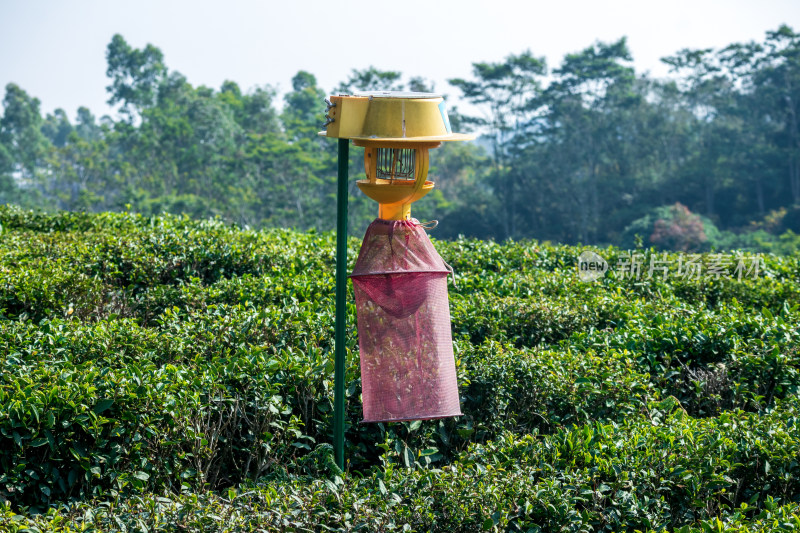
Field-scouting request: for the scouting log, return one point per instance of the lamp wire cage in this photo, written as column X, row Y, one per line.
column 396, row 163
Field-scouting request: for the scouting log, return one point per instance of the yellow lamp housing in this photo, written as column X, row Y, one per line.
column 396, row 130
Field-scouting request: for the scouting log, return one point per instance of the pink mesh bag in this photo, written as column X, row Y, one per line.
column 407, row 366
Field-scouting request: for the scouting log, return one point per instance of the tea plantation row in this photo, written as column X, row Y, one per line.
column 166, row 374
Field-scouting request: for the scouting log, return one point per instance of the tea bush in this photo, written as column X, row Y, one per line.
column 165, row 374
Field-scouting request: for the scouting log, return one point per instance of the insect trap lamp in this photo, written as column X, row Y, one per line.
column 399, row 280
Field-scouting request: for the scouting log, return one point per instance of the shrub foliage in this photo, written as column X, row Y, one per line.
column 160, row 373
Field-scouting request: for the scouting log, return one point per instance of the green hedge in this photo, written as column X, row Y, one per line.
column 158, row 372
column 662, row 471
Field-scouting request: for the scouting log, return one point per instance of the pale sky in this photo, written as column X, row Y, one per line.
column 55, row 50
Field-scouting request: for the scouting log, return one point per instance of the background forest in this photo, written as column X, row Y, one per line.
column 589, row 151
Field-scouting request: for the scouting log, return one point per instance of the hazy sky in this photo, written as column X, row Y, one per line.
column 55, row 50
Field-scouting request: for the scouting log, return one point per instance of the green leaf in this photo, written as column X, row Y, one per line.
column 50, row 439
column 408, row 457
column 102, row 405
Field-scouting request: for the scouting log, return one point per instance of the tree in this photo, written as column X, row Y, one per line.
column 86, row 127
column 586, row 123
column 575, row 156
column 744, row 98
column 21, row 131
column 303, row 113
column 421, row 85
column 79, row 175
column 671, row 227
column 779, row 82
column 135, row 75
column 505, row 93
column 57, row 128
column 371, row 79
column 707, row 90
column 8, row 189
column 260, row 114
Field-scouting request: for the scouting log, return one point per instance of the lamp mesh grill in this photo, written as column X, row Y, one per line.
column 396, row 163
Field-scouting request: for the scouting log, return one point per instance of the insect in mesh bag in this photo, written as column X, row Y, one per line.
column 407, row 364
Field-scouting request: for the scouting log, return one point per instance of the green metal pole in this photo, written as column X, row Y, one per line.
column 341, row 303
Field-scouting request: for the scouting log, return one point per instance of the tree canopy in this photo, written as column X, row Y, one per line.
column 580, row 152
